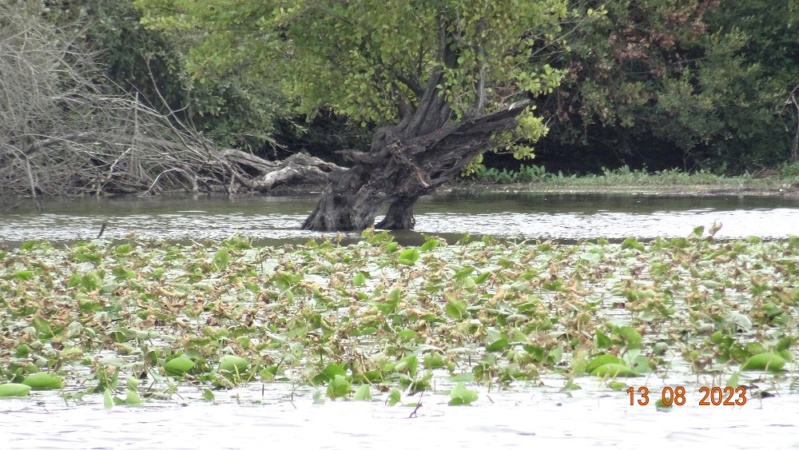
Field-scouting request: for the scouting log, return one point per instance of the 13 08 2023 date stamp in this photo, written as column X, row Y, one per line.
column 677, row 396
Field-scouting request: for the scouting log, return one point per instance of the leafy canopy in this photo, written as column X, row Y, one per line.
column 365, row 58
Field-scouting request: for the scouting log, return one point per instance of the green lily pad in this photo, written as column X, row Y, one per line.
column 614, row 370
column 179, row 365
column 764, row 361
column 43, row 381
column 14, row 390
column 233, row 364
column 601, row 360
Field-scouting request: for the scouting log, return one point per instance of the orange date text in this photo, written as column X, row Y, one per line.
column 675, row 396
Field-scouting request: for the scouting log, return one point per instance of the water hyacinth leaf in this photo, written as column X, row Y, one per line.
column 14, row 390
column 460, row 395
column 268, row 373
column 391, row 303
column 108, row 399
column 641, row 364
column 330, row 371
column 394, row 397
column 482, row 277
column 123, row 249
column 618, row 385
column 633, row 243
column 613, row 371
column 43, row 381
column 363, row 393
column 463, row 273
column 764, row 361
column 359, row 279
column 338, row 387
column 365, row 331
column 208, row 395
column 407, row 335
column 409, row 256
column 735, row 380
column 602, row 340
column 601, row 360
column 411, row 363
column 434, row 360
column 24, row 275
column 121, row 335
column 632, row 338
column 222, row 259
column 430, row 244
column 91, row 281
column 233, row 364
column 785, row 343
column 579, row 363
column 455, row 308
column 42, row 327
column 132, row 398
column 179, row 365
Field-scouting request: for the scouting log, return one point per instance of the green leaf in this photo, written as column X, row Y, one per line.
column 764, row 361
column 14, row 390
column 359, row 279
column 602, row 340
column 108, row 399
column 409, row 256
column 632, row 338
column 455, row 308
column 208, row 395
column 363, row 393
column 613, row 371
column 394, row 397
column 91, row 281
column 233, row 364
column 459, row 395
column 633, row 243
column 338, row 387
column 221, row 259
column 132, row 398
column 43, row 381
column 430, row 244
column 178, row 366
column 498, row 345
column 463, row 273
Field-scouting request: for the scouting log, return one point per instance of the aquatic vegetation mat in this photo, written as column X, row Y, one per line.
column 137, row 321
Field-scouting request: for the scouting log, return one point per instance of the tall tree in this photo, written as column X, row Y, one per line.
column 698, row 83
column 445, row 79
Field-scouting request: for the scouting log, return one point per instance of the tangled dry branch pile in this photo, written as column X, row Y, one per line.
column 65, row 131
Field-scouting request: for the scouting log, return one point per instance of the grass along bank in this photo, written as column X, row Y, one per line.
column 784, row 181
column 138, row 321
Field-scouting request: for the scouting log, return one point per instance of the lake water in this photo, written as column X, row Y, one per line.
column 528, row 417
column 530, row 216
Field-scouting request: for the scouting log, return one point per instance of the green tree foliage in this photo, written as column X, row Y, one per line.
column 700, row 78
column 368, row 58
column 229, row 109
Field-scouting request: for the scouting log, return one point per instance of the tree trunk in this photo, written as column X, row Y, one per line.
column 406, row 161
column 410, row 159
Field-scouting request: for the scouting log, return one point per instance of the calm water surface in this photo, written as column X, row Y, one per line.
column 531, row 216
column 537, row 416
